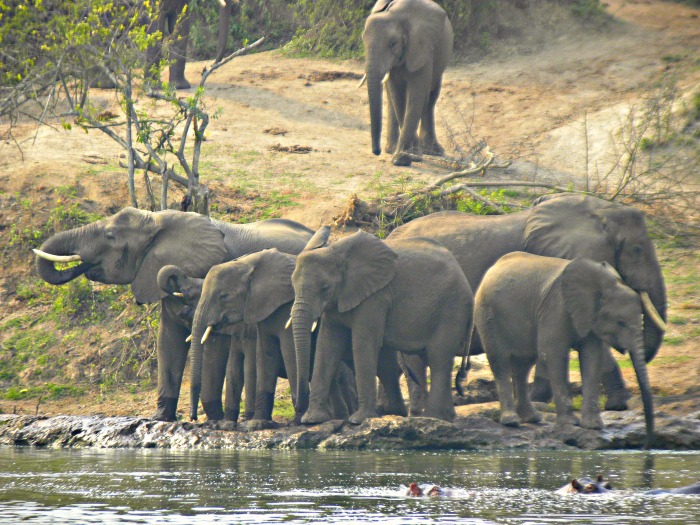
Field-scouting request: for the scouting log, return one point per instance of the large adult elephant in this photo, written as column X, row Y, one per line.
column 569, row 227
column 131, row 247
column 411, row 42
column 170, row 12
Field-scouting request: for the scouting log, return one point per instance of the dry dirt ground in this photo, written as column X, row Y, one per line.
column 527, row 101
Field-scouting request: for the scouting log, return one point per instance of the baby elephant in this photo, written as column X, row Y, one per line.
column 531, row 307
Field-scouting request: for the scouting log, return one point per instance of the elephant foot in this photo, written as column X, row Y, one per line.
column 617, row 401
column 531, row 417
column 446, row 413
column 541, row 391
column 231, row 415
column 594, row 422
column 314, row 416
column 258, row 424
column 433, row 148
column 509, row 419
column 568, row 419
column 359, row 416
column 214, row 410
column 401, row 159
column 181, row 83
column 166, row 409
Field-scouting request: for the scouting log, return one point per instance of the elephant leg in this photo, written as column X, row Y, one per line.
column 366, row 343
column 428, row 138
column 346, row 382
column 414, row 369
column 397, row 105
column 590, row 357
column 416, row 97
column 521, row 370
column 499, row 361
column 613, row 384
column 330, row 347
column 556, row 356
column 178, row 53
column 286, row 342
column 225, row 13
column 541, row 389
column 216, row 354
column 172, row 355
column 154, row 52
column 234, row 381
column 267, row 364
column 389, row 373
column 440, row 356
column 250, row 374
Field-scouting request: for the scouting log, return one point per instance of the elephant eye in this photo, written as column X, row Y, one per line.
column 224, row 295
column 110, row 235
column 393, row 44
column 622, row 324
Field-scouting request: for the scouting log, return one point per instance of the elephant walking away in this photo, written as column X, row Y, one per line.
column 530, row 307
column 131, row 246
column 408, row 45
column 375, row 298
column 256, row 290
column 569, row 227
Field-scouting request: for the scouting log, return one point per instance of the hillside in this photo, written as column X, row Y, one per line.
column 87, row 348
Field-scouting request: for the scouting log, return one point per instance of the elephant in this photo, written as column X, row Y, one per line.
column 600, row 486
column 566, row 226
column 240, row 364
column 255, row 290
column 408, row 44
column 167, row 23
column 375, row 298
column 131, row 246
column 531, row 307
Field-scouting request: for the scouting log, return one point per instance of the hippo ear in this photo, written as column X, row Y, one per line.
column 270, row 285
column 576, row 485
column 188, row 240
column 370, row 265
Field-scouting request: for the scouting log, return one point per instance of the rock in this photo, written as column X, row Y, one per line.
column 475, row 428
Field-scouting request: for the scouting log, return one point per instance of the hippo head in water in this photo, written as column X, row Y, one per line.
column 415, row 491
column 586, row 486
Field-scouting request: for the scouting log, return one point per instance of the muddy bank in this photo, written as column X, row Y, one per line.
column 623, row 430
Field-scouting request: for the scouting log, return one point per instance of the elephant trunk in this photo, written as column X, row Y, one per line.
column 301, row 325
column 199, row 326
column 653, row 334
column 640, row 369
column 62, row 244
column 374, row 91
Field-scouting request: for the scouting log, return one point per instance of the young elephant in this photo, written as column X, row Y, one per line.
column 529, row 306
column 375, row 298
column 255, row 290
column 184, row 293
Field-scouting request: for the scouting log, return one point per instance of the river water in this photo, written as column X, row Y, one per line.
column 193, row 487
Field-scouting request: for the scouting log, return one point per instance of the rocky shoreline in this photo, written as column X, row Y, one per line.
column 471, row 430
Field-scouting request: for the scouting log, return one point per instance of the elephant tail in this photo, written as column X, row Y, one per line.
column 461, row 378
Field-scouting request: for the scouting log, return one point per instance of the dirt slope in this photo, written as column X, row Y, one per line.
column 527, row 100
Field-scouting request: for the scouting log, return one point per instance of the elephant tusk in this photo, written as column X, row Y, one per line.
column 385, row 79
column 178, row 294
column 289, row 322
column 221, row 3
column 56, row 258
column 189, row 338
column 313, row 326
column 206, row 334
column 651, row 311
column 362, row 82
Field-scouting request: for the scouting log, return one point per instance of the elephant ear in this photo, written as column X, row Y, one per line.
column 425, row 28
column 270, row 285
column 188, row 240
column 370, row 265
column 381, row 5
column 570, row 227
column 319, row 239
column 583, row 282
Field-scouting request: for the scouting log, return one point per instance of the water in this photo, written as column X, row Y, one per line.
column 150, row 486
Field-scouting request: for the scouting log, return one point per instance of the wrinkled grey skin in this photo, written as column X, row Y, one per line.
column 375, row 298
column 530, row 307
column 565, row 226
column 411, row 40
column 255, row 290
column 131, row 247
column 240, row 365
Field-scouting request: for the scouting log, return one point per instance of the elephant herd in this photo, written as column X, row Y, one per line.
column 254, row 302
